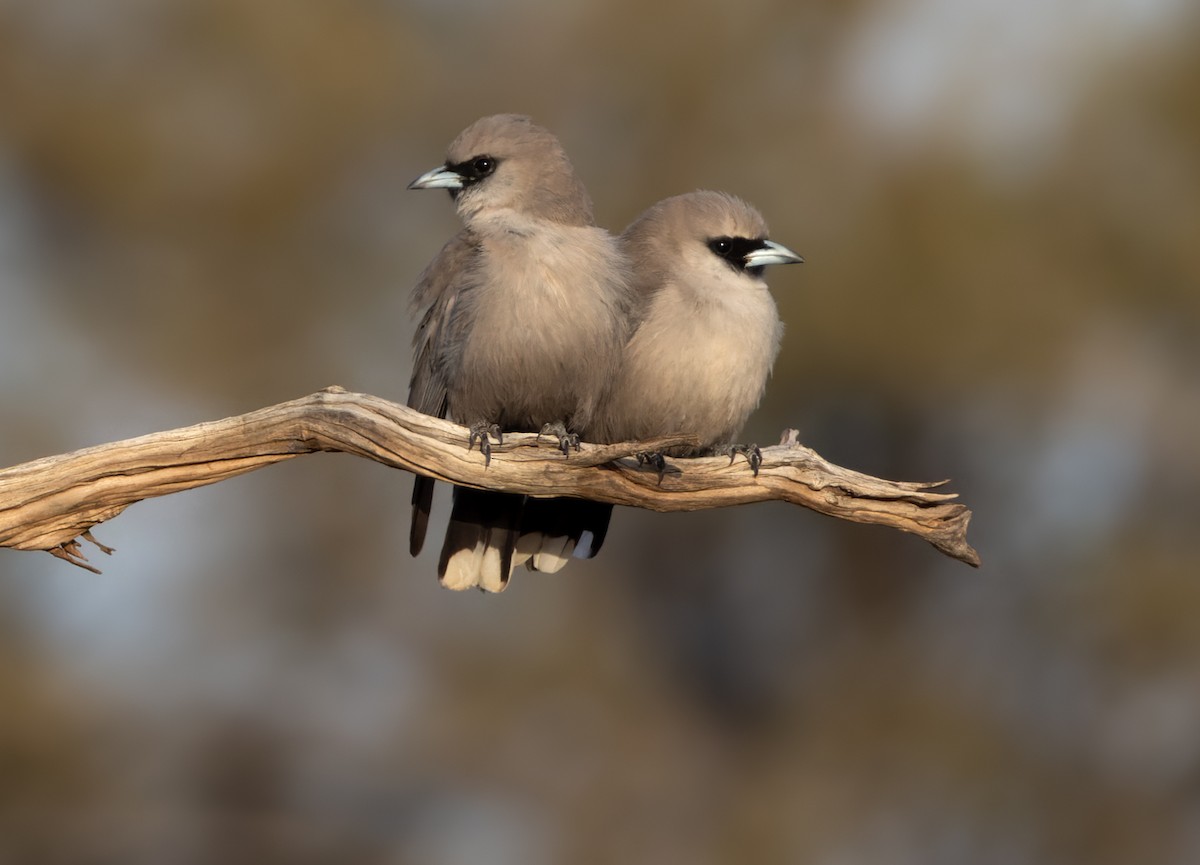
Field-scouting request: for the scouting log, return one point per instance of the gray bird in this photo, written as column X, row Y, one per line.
column 525, row 313
column 700, row 356
column 709, row 330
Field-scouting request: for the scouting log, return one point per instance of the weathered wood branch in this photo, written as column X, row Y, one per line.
column 50, row 503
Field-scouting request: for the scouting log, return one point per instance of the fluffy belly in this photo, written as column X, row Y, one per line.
column 523, row 377
column 551, row 333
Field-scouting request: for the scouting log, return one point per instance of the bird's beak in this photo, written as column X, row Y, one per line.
column 771, row 253
column 439, row 178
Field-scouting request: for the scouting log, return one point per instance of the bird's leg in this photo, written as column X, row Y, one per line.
column 481, row 430
column 656, row 459
column 566, row 440
column 751, row 452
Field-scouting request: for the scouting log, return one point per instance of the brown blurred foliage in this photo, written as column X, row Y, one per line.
column 202, row 210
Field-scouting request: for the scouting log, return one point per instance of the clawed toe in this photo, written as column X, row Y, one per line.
column 483, row 433
column 751, row 452
column 566, row 440
column 653, row 459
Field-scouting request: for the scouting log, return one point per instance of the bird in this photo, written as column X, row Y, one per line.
column 707, row 333
column 708, row 330
column 523, row 316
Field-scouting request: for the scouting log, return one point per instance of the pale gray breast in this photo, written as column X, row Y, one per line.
column 546, row 322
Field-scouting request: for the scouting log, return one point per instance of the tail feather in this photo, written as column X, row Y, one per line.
column 480, row 540
column 555, row 530
column 422, row 503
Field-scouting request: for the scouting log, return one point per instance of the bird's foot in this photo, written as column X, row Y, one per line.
column 482, row 430
column 751, row 452
column 653, row 459
column 566, row 440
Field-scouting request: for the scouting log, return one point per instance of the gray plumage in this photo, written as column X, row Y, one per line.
column 699, row 360
column 709, row 329
column 524, row 315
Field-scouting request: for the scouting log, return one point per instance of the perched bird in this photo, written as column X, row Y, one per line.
column 524, row 314
column 709, row 330
column 707, row 335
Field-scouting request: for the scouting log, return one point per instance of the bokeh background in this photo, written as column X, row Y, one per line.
column 202, row 212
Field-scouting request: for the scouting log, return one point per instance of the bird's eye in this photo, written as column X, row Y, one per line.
column 722, row 246
column 473, row 170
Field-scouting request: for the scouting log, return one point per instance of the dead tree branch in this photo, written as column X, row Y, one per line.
column 48, row 504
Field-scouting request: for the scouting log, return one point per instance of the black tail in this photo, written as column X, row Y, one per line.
column 555, row 530
column 422, row 503
column 480, row 539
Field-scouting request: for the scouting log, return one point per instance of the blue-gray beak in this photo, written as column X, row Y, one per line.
column 439, row 178
column 771, row 253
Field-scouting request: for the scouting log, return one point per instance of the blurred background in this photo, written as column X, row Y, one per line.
column 203, row 211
